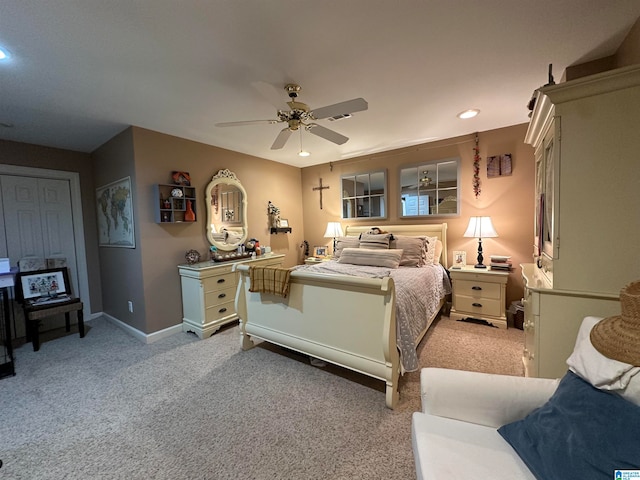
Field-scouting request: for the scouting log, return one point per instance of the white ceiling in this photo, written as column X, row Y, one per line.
column 81, row 71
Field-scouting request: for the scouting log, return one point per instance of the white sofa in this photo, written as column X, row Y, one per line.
column 455, row 435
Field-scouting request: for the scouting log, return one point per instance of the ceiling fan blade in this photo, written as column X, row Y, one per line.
column 246, row 122
column 327, row 134
column 342, row 108
column 281, row 139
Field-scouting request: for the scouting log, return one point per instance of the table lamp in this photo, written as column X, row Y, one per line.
column 480, row 227
column 334, row 229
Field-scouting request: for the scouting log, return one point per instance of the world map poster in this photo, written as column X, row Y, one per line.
column 115, row 214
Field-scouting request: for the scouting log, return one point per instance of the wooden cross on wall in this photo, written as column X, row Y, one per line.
column 321, row 188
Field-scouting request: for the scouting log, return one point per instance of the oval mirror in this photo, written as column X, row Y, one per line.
column 226, row 211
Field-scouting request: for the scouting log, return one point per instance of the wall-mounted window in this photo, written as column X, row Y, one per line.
column 364, row 195
column 430, row 189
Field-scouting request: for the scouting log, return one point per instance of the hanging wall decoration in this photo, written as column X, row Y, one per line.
column 476, row 168
column 499, row 165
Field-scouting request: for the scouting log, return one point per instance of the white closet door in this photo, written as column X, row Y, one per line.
column 38, row 221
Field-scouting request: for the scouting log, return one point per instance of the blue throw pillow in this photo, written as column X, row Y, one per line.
column 581, row 432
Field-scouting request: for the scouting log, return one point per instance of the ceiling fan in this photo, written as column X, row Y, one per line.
column 423, row 182
column 300, row 116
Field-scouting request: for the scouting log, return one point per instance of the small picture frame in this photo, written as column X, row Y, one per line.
column 320, row 252
column 459, row 259
column 284, row 222
column 43, row 283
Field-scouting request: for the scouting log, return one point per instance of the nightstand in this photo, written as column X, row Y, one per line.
column 479, row 293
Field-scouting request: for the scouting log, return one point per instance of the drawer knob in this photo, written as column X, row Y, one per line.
column 475, row 287
column 222, row 310
column 222, row 295
column 221, row 280
column 475, row 304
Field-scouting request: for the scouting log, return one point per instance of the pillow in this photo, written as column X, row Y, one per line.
column 375, row 257
column 368, row 240
column 430, row 250
column 412, row 250
column 437, row 252
column 345, row 242
column 581, row 432
column 603, row 372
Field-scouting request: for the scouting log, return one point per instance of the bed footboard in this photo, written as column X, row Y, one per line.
column 348, row 321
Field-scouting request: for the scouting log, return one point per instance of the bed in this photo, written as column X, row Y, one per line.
column 351, row 321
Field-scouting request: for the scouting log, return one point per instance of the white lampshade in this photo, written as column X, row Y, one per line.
column 480, row 227
column 334, row 229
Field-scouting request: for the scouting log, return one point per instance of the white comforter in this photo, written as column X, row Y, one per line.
column 418, row 294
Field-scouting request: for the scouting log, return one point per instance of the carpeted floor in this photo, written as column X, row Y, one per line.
column 107, row 406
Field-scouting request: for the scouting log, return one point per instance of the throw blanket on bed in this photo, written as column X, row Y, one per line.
column 273, row 280
column 418, row 294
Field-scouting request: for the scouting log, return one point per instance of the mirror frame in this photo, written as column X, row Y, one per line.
column 224, row 177
column 365, row 196
column 433, row 164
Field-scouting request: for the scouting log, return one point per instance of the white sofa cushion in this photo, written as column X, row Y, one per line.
column 452, row 449
column 482, row 398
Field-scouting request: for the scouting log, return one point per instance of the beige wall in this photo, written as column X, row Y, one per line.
column 508, row 200
column 161, row 247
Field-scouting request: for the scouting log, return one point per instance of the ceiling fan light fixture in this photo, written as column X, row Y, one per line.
column 472, row 112
column 302, row 152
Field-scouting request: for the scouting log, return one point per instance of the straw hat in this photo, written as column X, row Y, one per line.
column 618, row 337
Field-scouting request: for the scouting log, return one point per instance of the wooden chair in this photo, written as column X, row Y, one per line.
column 44, row 293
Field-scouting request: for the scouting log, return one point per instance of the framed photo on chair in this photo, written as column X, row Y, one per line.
column 44, row 283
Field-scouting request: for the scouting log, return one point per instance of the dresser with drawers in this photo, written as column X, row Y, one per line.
column 209, row 292
column 479, row 293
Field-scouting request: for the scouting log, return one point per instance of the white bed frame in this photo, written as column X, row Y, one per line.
column 348, row 321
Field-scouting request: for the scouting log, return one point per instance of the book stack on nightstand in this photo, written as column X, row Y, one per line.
column 500, row 262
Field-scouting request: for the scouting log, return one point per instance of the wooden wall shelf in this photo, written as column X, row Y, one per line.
column 277, row 230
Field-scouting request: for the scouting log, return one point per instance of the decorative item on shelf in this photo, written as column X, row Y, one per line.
column 480, row 227
column 192, row 257
column 189, row 214
column 476, row 168
column 166, row 203
column 177, row 193
column 273, row 213
column 181, row 178
column 334, row 229
column 166, row 217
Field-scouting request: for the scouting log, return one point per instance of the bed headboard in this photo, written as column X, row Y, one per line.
column 432, row 230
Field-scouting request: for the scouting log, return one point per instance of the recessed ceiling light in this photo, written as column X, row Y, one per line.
column 303, row 153
column 3, row 54
column 468, row 113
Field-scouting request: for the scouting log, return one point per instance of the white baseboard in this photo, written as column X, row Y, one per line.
column 134, row 332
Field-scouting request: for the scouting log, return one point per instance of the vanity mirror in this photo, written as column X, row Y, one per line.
column 226, row 211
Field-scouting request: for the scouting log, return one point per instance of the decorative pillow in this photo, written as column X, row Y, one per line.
column 581, row 432
column 437, row 252
column 603, row 372
column 376, row 257
column 431, row 250
column 412, row 250
column 345, row 242
column 368, row 240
